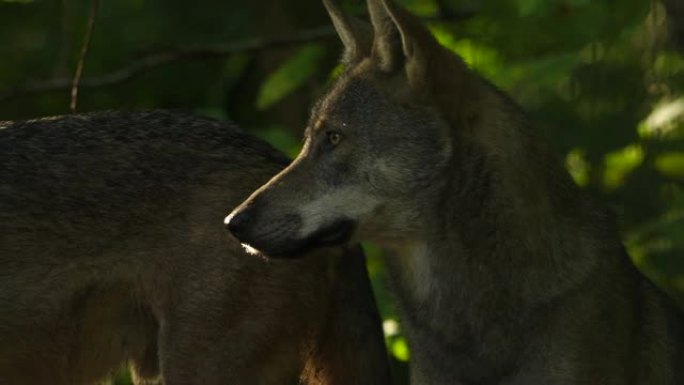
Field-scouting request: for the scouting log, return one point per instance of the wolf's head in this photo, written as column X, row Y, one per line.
column 375, row 146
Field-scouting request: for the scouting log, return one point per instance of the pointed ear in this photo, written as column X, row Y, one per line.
column 386, row 50
column 356, row 35
column 401, row 40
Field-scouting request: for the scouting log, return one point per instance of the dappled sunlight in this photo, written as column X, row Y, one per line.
column 664, row 120
column 618, row 164
column 400, row 350
column 390, row 327
column 396, row 342
column 656, row 236
column 479, row 57
column 577, row 166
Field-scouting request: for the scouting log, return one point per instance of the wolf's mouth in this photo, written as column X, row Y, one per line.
column 336, row 233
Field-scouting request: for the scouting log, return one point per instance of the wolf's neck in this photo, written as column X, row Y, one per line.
column 508, row 231
column 502, row 239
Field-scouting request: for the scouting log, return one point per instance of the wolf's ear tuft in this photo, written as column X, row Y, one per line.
column 356, row 35
column 401, row 41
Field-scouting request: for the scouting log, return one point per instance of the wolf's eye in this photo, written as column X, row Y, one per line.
column 334, row 137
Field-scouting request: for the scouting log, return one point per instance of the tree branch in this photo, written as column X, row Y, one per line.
column 157, row 59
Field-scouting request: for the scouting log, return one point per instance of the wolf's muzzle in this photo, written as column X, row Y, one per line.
column 337, row 233
column 278, row 238
column 238, row 222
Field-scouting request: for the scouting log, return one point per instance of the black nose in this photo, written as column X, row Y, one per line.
column 237, row 224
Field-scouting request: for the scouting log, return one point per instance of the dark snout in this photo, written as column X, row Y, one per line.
column 277, row 236
column 272, row 235
column 238, row 223
column 271, row 219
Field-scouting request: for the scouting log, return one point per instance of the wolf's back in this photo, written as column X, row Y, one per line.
column 94, row 163
column 112, row 250
column 107, row 174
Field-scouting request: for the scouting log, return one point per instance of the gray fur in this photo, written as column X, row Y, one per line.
column 505, row 271
column 113, row 251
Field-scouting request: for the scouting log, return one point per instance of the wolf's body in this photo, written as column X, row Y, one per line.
column 112, row 250
column 505, row 272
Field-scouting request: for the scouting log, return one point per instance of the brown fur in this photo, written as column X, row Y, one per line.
column 112, row 251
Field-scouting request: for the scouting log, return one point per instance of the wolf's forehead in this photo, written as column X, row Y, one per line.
column 349, row 99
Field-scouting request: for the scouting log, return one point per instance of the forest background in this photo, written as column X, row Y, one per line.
column 605, row 78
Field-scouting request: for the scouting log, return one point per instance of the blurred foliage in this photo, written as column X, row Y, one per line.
column 295, row 71
column 604, row 80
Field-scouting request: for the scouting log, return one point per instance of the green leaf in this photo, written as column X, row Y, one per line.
column 619, row 164
column 400, row 349
column 280, row 138
column 578, row 166
column 671, row 164
column 479, row 57
column 295, row 71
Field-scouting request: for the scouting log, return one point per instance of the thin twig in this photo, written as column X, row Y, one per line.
column 84, row 52
column 157, row 59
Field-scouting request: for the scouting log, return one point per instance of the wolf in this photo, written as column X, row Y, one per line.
column 504, row 271
column 113, row 251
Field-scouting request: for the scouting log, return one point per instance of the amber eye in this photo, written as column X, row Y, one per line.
column 334, row 137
